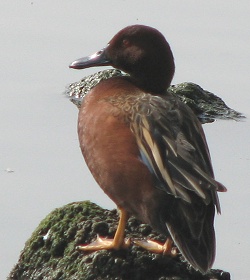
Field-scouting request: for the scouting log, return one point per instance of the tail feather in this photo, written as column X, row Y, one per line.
column 191, row 226
column 195, row 238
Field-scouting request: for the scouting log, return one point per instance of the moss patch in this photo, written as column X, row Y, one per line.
column 51, row 252
column 206, row 105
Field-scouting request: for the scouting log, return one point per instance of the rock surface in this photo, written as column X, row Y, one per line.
column 51, row 252
column 206, row 105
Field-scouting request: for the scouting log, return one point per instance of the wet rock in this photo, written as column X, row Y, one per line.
column 206, row 105
column 51, row 252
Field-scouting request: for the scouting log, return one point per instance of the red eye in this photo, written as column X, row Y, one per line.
column 125, row 42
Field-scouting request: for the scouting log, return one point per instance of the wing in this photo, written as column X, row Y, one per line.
column 173, row 147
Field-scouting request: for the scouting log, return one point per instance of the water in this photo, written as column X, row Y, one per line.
column 38, row 136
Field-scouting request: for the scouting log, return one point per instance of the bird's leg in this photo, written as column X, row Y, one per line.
column 106, row 244
column 156, row 247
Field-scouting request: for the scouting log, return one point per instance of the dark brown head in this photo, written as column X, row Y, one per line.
column 140, row 51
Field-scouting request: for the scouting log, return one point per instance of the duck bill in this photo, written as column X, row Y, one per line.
column 97, row 59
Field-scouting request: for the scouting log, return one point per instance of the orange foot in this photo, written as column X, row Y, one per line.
column 119, row 242
column 105, row 244
column 156, row 247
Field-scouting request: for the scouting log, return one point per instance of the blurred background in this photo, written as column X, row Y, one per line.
column 41, row 166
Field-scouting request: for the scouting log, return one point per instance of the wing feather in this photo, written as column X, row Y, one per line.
column 173, row 146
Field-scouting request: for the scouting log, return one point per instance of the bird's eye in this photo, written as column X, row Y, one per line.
column 125, row 42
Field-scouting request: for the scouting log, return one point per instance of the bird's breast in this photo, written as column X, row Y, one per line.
column 111, row 151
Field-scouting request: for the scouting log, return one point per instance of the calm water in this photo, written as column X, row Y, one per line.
column 38, row 139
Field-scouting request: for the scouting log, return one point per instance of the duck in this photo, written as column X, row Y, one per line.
column 147, row 150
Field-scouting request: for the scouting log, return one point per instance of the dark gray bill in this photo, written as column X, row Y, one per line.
column 97, row 59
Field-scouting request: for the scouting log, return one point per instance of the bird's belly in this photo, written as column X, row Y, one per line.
column 112, row 155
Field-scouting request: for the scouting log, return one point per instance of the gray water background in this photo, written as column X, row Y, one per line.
column 38, row 139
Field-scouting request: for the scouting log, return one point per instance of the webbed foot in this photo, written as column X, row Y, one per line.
column 156, row 247
column 105, row 244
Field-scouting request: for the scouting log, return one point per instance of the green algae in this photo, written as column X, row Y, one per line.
column 51, row 252
column 206, row 105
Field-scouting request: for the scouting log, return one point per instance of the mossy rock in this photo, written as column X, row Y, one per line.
column 51, row 252
column 206, row 105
